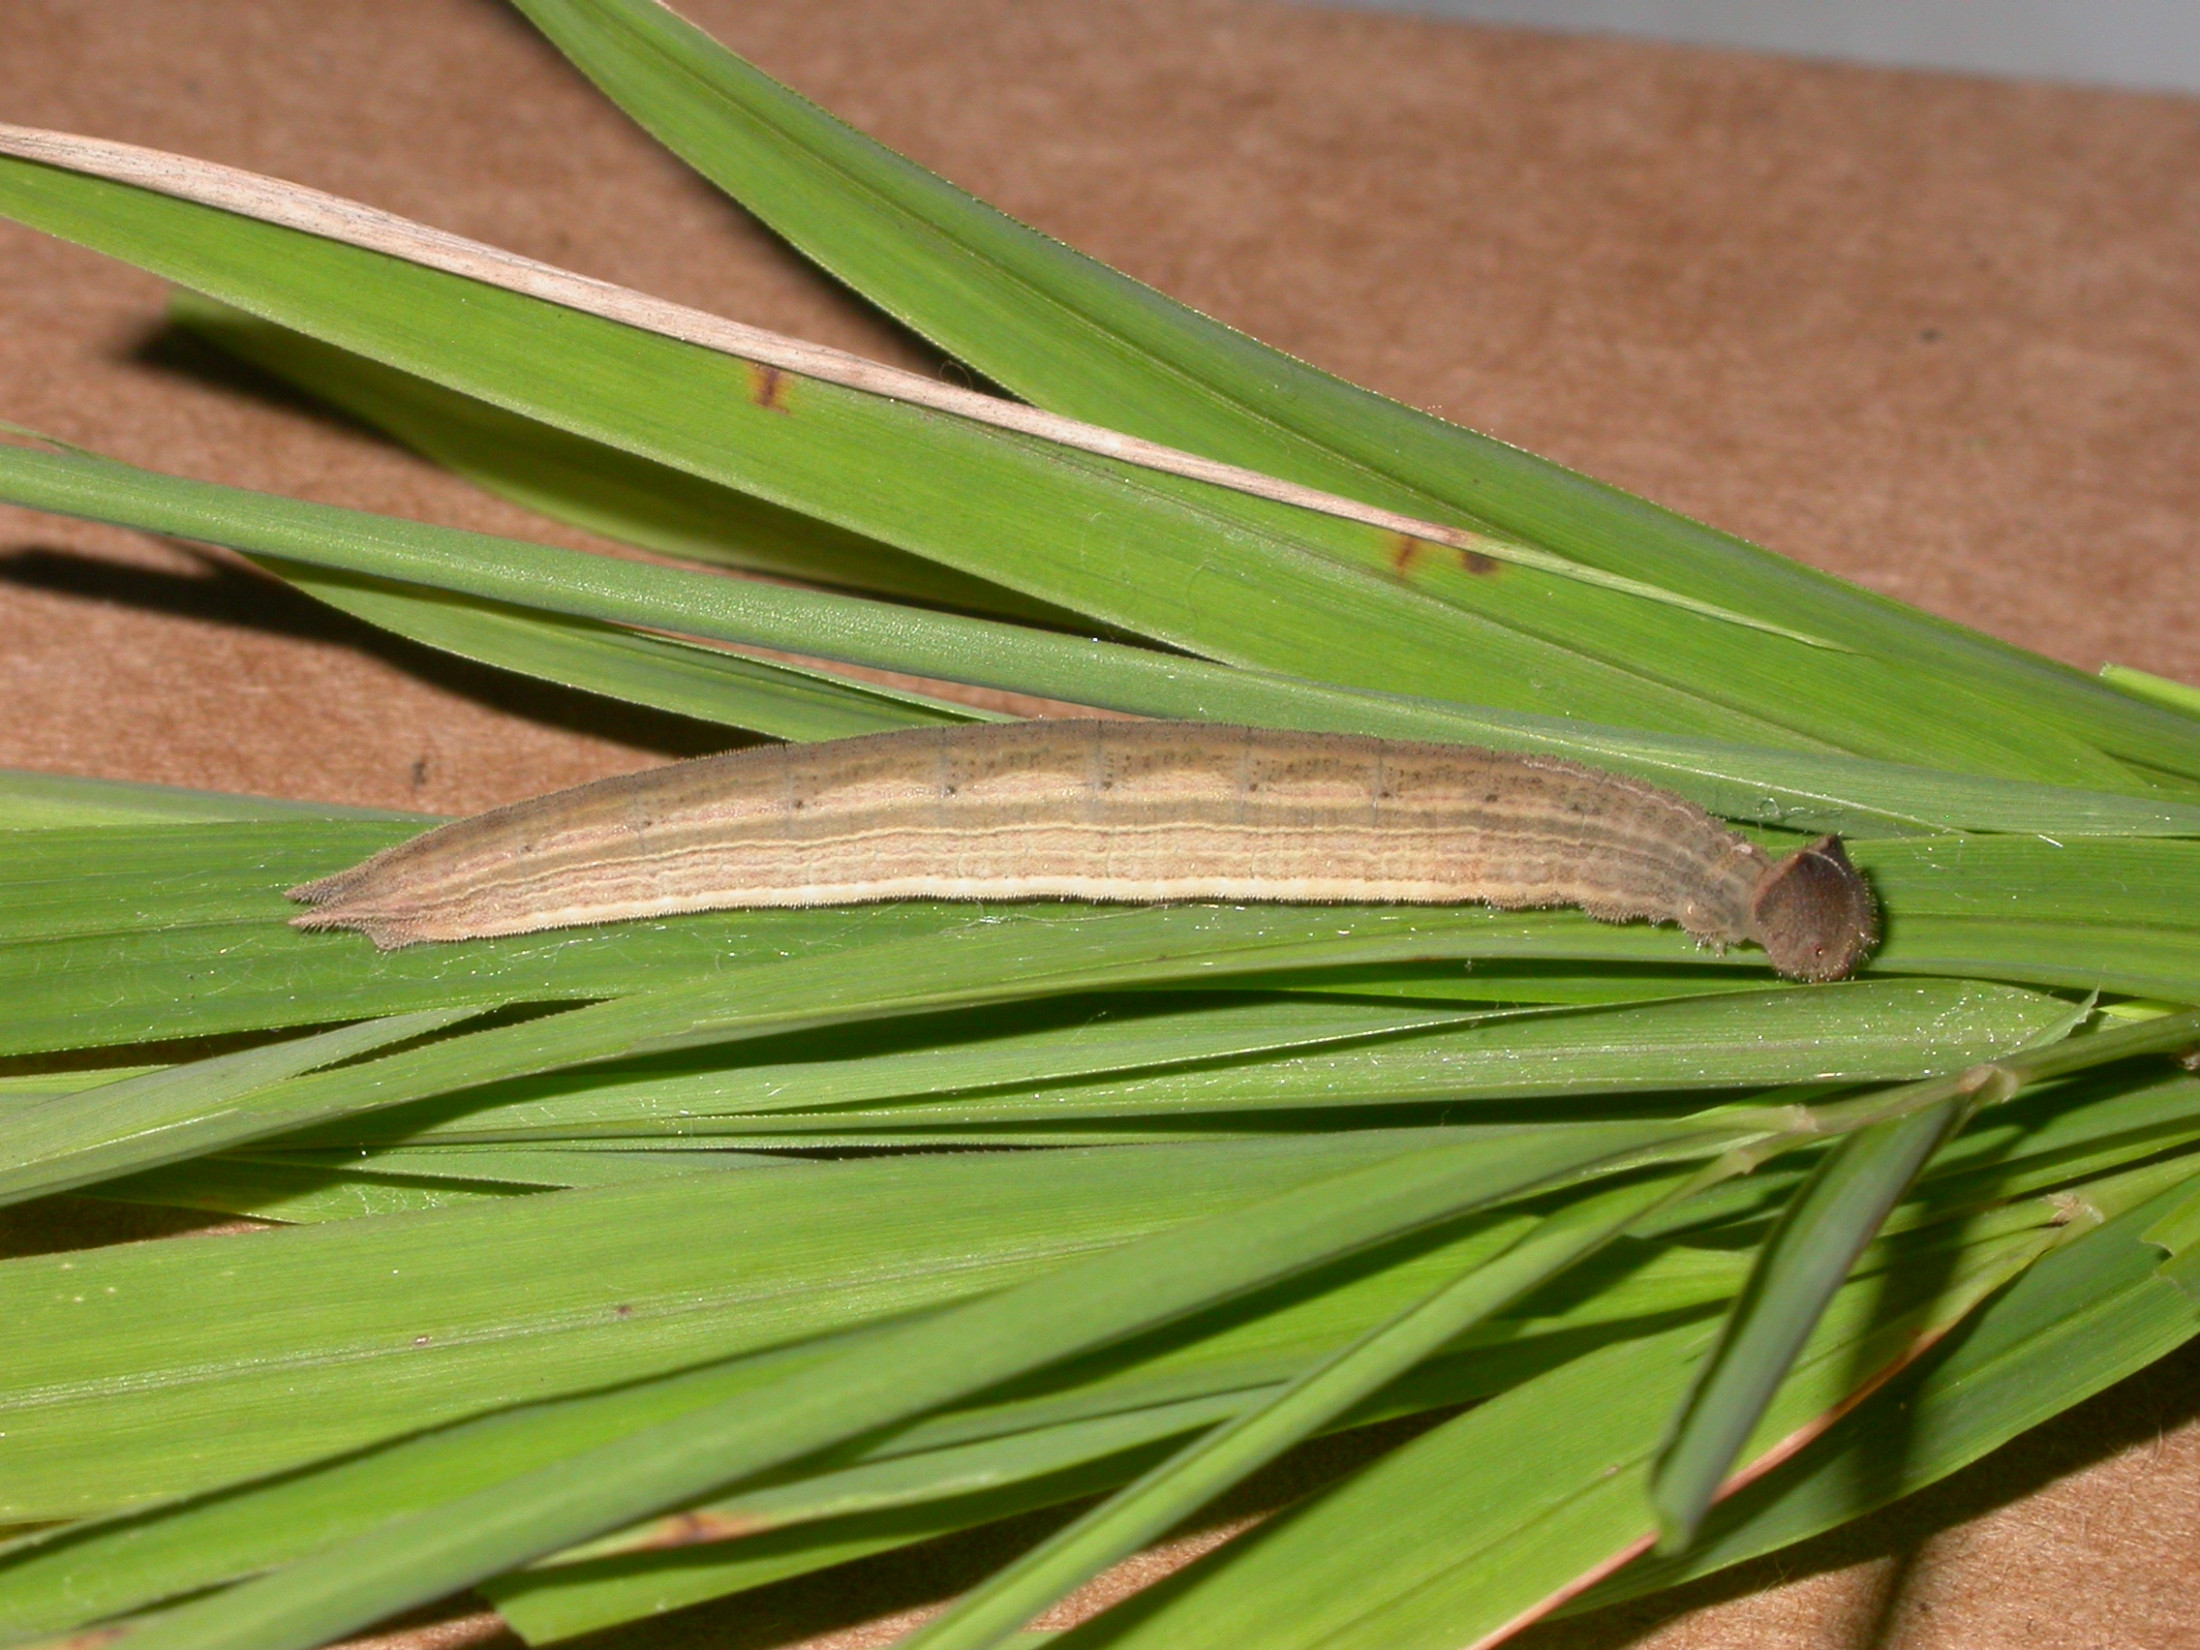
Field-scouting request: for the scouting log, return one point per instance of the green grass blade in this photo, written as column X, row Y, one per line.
column 528, row 461
column 163, row 1380
column 1822, row 1231
column 1021, row 1062
column 600, row 487
column 549, row 1603
column 101, row 1569
column 586, row 482
column 154, row 1118
column 906, row 1372
column 71, row 1576
column 1865, row 1031
column 1051, row 325
column 1515, row 1501
column 1498, row 983
column 1774, row 787
column 1505, row 1547
column 1071, row 334
column 2155, row 690
column 2074, row 879
column 966, row 1208
column 2141, row 961
column 2005, row 1078
column 352, row 1185
column 127, row 985
column 290, row 1195
column 559, row 1167
column 45, row 801
column 988, row 501
column 1188, row 1480
column 1060, row 1040
column 2091, row 1313
column 710, row 685
column 2071, row 1130
column 1281, row 585
column 543, row 1606
column 982, row 962
column 137, row 873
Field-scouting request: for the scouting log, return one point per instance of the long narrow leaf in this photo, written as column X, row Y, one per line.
column 2090, row 1314
column 165, row 1380
column 428, row 1554
column 551, row 1603
column 1073, row 335
column 790, row 422
column 587, row 482
column 141, row 1559
column 1179, row 1486
column 1515, row 1500
column 953, row 488
column 1825, row 1227
column 984, row 963
column 706, row 683
column 1862, row 1033
column 1800, row 790
column 44, row 801
column 152, row 1118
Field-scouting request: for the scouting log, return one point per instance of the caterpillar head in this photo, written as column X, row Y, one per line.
column 1814, row 913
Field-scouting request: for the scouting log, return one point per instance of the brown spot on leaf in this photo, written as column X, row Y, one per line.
column 1405, row 550
column 767, row 387
column 695, row 1528
column 1479, row 565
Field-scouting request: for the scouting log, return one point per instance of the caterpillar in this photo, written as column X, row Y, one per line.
column 1134, row 811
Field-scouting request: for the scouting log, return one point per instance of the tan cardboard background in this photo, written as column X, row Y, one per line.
column 1939, row 335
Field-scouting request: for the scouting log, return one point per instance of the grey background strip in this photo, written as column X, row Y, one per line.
column 2135, row 43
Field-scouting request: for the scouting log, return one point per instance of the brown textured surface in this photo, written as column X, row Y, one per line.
column 1938, row 334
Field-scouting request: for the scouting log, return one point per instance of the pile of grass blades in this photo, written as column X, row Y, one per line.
column 629, row 1267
